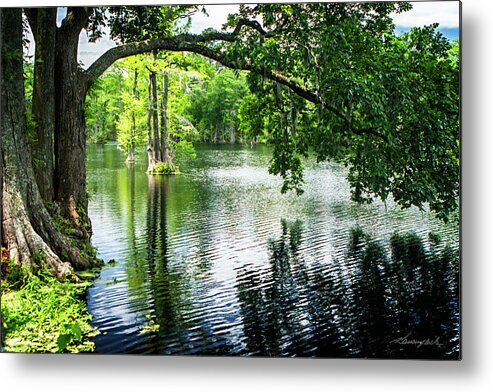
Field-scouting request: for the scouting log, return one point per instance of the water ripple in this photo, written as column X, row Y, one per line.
column 218, row 262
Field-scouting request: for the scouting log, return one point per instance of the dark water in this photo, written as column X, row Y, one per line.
column 217, row 262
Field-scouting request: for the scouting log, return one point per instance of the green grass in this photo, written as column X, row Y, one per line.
column 42, row 314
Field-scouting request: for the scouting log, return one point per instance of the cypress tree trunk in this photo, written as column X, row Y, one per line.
column 43, row 107
column 28, row 231
column 131, row 153
column 151, row 161
column 164, row 118
column 155, row 117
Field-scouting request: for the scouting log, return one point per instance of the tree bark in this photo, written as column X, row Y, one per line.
column 131, row 152
column 70, row 132
column 155, row 117
column 28, row 231
column 151, row 162
column 164, row 118
column 43, row 107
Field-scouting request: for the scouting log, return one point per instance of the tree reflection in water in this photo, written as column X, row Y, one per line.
column 394, row 301
column 180, row 328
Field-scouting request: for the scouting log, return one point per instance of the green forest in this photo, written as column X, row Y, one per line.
column 195, row 101
column 332, row 82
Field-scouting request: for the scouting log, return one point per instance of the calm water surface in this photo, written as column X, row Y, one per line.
column 217, row 262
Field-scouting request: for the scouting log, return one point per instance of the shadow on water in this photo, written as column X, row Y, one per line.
column 206, row 266
column 399, row 301
column 269, row 302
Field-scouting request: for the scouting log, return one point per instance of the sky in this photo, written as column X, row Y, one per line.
column 446, row 13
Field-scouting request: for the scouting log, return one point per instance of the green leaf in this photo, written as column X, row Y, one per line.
column 77, row 332
column 63, row 341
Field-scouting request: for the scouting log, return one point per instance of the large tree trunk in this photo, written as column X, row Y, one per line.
column 43, row 107
column 28, row 231
column 70, row 132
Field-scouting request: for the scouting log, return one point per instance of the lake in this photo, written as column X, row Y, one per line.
column 216, row 261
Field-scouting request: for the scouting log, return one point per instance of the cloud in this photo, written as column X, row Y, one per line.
column 218, row 15
column 60, row 15
column 446, row 13
column 89, row 52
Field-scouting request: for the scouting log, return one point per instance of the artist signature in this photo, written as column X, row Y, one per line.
column 406, row 340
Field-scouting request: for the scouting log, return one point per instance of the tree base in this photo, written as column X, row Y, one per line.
column 160, row 168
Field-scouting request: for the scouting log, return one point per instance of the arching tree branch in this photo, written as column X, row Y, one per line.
column 195, row 44
column 180, row 42
column 252, row 24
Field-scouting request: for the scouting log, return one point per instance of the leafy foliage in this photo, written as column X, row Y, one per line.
column 203, row 102
column 45, row 315
column 386, row 106
column 332, row 79
column 165, row 168
column 214, row 107
column 131, row 126
column 138, row 23
column 104, row 106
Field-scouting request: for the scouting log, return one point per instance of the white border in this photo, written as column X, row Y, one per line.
column 474, row 373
